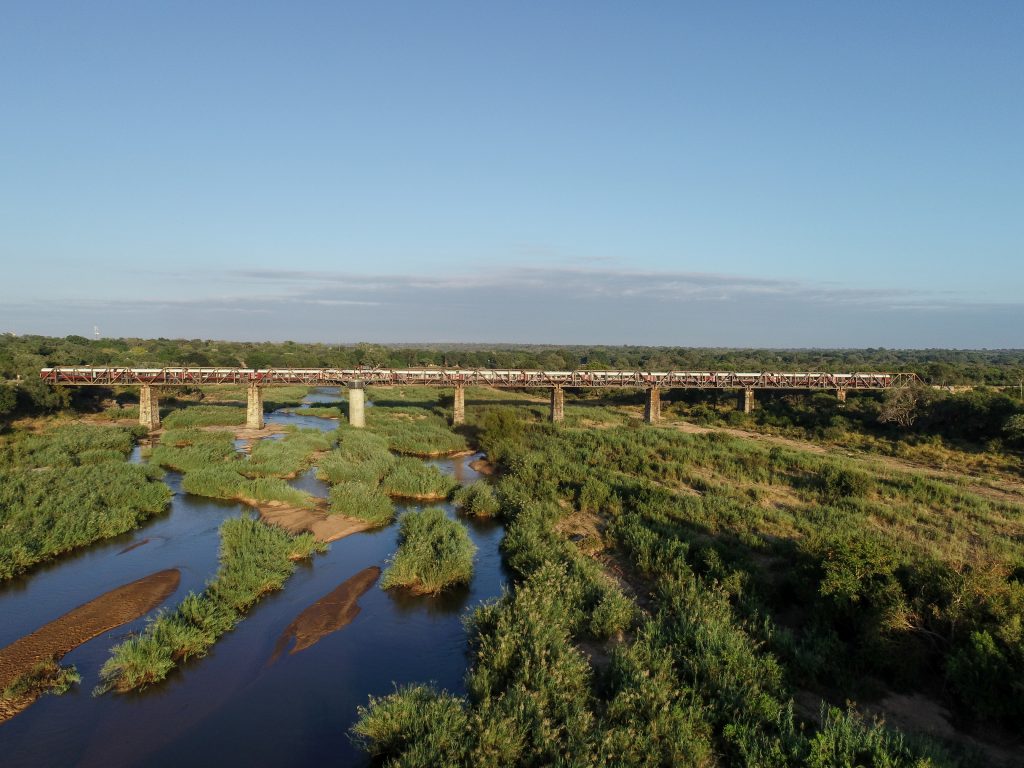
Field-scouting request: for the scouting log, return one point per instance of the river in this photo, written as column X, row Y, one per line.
column 240, row 704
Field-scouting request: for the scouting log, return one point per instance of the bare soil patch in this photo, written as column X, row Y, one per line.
column 325, row 527
column 328, row 614
column 483, row 466
column 52, row 641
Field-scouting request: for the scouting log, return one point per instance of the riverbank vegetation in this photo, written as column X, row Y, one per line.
column 477, row 499
column 68, row 487
column 753, row 571
column 45, row 677
column 254, row 559
column 434, row 553
column 417, row 428
column 213, row 467
column 362, row 500
column 411, row 478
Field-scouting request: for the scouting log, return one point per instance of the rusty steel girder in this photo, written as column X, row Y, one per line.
column 492, row 377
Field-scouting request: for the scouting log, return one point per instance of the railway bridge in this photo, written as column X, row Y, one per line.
column 151, row 380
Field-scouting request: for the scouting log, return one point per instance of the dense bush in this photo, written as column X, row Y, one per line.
column 44, row 513
column 362, row 500
column 412, row 479
column 477, row 499
column 434, row 552
column 205, row 416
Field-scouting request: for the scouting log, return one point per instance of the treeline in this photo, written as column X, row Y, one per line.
column 24, row 355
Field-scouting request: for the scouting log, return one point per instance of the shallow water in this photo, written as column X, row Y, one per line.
column 234, row 706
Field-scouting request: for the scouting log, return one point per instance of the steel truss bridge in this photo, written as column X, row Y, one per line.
column 458, row 377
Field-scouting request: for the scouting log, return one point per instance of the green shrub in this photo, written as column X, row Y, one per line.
column 434, row 552
column 411, row 478
column 205, row 416
column 366, row 502
column 477, row 499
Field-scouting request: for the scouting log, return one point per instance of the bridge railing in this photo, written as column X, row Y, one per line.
column 494, row 377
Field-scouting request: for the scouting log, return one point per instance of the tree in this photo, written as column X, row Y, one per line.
column 900, row 406
column 8, row 400
column 1014, row 428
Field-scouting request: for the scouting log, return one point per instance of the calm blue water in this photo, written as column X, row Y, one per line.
column 234, row 707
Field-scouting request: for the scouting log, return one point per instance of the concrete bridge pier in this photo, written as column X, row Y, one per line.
column 747, row 400
column 356, row 405
column 149, row 408
column 557, row 404
column 841, row 395
column 652, row 408
column 459, row 409
column 254, row 408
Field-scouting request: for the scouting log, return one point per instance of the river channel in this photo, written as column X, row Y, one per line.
column 242, row 704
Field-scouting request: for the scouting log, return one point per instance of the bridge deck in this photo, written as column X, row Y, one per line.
column 449, row 377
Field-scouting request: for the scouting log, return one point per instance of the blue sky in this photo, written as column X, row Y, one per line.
column 769, row 174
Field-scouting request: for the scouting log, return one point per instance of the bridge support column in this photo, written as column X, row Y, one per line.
column 747, row 400
column 459, row 408
column 841, row 395
column 652, row 409
column 149, row 408
column 254, row 408
column 557, row 404
column 356, row 405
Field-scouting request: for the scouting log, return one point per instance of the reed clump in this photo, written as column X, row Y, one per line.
column 415, row 431
column 205, row 416
column 363, row 501
column 477, row 499
column 434, row 552
column 410, row 478
column 254, row 559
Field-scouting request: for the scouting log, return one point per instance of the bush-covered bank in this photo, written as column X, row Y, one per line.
column 982, row 425
column 70, row 487
column 419, row 429
column 701, row 677
column 254, row 559
column 212, row 467
column 434, row 552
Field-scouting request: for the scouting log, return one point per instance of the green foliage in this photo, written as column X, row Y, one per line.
column 361, row 456
column 288, row 456
column 205, row 416
column 362, row 500
column 434, row 552
column 221, row 481
column 45, row 677
column 44, row 513
column 846, row 741
column 477, row 499
column 254, row 559
column 988, row 674
column 699, row 683
column 193, row 449
column 412, row 479
column 415, row 431
column 65, row 445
